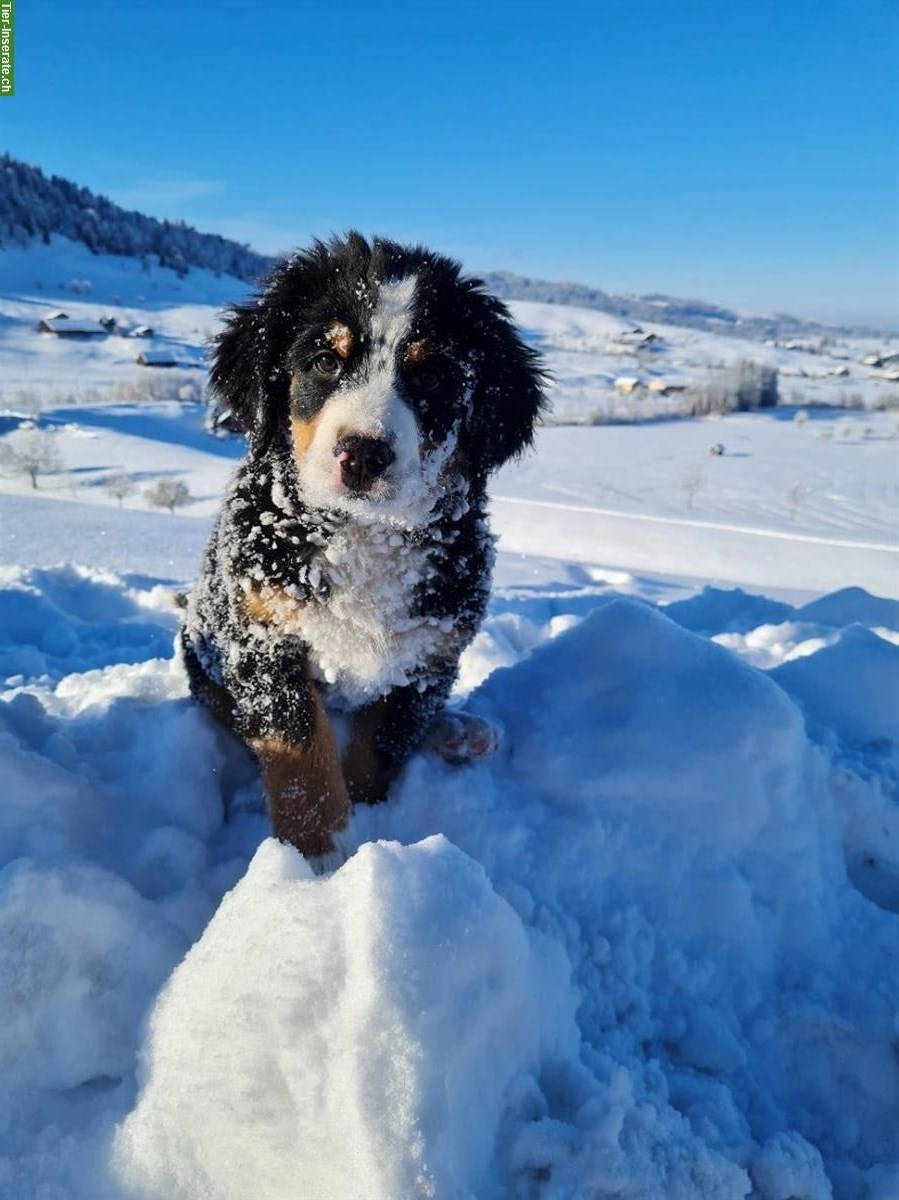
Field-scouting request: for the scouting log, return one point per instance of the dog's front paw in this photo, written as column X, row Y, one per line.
column 460, row 737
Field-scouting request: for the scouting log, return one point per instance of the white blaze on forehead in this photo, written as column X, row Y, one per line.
column 372, row 407
column 391, row 319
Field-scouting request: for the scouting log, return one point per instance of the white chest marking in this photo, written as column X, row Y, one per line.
column 362, row 639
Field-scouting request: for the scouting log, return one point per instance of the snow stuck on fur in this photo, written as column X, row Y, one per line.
column 364, row 641
column 356, row 593
column 646, row 951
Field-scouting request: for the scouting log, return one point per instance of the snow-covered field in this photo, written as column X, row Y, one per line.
column 648, row 951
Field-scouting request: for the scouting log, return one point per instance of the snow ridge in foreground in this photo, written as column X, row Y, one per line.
column 648, row 951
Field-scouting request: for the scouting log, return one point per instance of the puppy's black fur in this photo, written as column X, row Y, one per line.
column 312, row 345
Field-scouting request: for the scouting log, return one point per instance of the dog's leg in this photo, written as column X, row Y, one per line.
column 460, row 737
column 304, row 785
column 367, row 772
column 294, row 745
column 386, row 733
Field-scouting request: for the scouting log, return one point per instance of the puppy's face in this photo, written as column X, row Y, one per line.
column 378, row 395
column 386, row 373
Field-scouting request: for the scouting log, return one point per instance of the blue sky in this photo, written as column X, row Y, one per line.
column 743, row 151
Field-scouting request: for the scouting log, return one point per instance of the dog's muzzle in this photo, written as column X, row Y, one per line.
column 362, row 460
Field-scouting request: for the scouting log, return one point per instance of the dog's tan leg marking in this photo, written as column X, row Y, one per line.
column 367, row 780
column 271, row 606
column 304, row 785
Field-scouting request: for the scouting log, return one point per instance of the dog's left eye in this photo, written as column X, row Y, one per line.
column 327, row 364
column 427, row 379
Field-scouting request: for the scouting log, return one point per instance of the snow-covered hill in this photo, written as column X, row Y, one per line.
column 593, row 356
column 647, row 952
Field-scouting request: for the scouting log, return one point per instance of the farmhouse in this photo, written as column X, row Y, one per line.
column 637, row 339
column 890, row 359
column 626, row 384
column 666, row 387
column 156, row 358
column 64, row 327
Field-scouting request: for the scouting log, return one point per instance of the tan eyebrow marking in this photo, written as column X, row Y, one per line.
column 341, row 339
column 417, row 352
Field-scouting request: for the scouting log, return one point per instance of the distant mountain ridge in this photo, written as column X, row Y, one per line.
column 35, row 206
column 667, row 310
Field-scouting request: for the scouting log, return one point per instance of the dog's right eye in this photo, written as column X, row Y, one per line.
column 327, row 364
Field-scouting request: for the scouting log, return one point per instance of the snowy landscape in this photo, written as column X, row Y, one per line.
column 647, row 951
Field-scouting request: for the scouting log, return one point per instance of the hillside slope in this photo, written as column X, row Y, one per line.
column 36, row 206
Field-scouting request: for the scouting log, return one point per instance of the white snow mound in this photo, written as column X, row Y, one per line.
column 360, row 1034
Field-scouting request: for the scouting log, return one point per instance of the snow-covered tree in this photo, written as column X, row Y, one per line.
column 27, row 402
column 119, row 486
column 30, row 453
column 691, row 484
column 794, row 494
column 167, row 493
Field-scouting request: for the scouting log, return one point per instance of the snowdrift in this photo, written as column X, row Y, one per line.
column 414, row 990
column 647, row 951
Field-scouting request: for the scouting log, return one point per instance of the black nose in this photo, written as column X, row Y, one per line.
column 362, row 461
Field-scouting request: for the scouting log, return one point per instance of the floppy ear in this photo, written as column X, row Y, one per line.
column 245, row 374
column 508, row 395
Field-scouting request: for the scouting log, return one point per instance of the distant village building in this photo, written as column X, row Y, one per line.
column 57, row 316
column 64, row 327
column 890, row 359
column 142, row 331
column 627, row 384
column 636, row 339
column 807, row 346
column 666, row 387
column 156, row 358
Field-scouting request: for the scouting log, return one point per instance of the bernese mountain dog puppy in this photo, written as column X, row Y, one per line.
column 350, row 565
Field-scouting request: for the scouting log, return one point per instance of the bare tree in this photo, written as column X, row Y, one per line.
column 28, row 403
column 31, row 453
column 691, row 484
column 119, row 486
column 167, row 493
column 795, row 493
